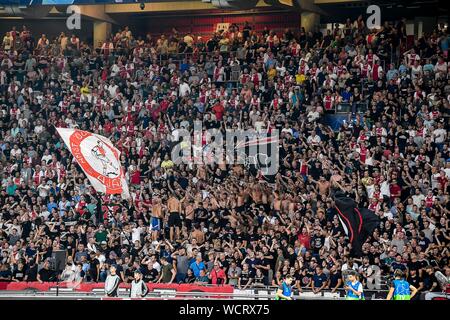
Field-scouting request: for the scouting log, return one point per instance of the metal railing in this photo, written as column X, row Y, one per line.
column 167, row 294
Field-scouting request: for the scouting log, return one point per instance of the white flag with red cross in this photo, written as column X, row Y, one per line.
column 98, row 158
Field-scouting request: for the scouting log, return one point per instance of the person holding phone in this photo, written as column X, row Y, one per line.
column 353, row 287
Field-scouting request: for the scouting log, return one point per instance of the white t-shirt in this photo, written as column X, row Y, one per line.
column 44, row 214
column 417, row 199
column 157, row 266
column 184, row 88
column 346, row 267
column 43, row 190
column 46, row 158
column 439, row 135
column 314, row 140
column 136, row 234
column 447, row 172
column 384, row 189
column 313, row 115
column 112, row 90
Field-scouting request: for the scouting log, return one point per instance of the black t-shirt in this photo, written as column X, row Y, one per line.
column 428, row 281
column 317, row 243
column 334, row 279
column 46, row 275
column 150, row 275
column 19, row 274
column 414, row 265
column 240, row 237
column 259, row 280
column 225, row 264
column 129, row 273
column 414, row 281
column 93, row 269
column 201, row 214
column 305, row 279
column 5, row 274
column 31, row 273
column 422, row 263
column 271, row 260
column 264, row 262
column 246, row 276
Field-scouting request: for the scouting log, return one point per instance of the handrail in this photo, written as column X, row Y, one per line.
column 173, row 286
column 183, row 295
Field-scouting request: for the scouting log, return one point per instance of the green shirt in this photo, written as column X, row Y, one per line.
column 100, row 236
column 11, row 189
column 166, row 273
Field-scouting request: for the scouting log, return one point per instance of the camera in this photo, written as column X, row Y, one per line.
column 142, row 5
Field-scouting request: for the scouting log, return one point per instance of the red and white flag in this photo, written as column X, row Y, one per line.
column 98, row 158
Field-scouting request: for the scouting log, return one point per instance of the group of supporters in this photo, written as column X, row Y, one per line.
column 227, row 223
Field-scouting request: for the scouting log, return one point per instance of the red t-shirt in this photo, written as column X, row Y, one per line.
column 218, row 110
column 136, row 177
column 220, row 274
column 442, row 181
column 304, row 240
column 395, row 189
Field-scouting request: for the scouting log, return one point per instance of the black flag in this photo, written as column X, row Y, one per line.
column 359, row 223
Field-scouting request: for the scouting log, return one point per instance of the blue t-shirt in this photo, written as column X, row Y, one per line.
column 445, row 43
column 357, row 286
column 401, row 288
column 319, row 280
column 395, row 265
column 196, row 268
column 287, row 290
column 346, row 95
column 51, row 205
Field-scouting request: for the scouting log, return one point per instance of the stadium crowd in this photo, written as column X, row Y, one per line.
column 228, row 223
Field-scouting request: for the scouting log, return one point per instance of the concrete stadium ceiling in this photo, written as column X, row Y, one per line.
column 330, row 9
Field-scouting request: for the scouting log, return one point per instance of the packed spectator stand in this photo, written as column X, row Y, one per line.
column 235, row 225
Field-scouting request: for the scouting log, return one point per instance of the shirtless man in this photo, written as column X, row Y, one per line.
column 285, row 201
column 266, row 200
column 174, row 207
column 323, row 185
column 276, row 202
column 198, row 235
column 201, row 173
column 336, row 177
column 240, row 200
column 155, row 221
column 293, row 205
column 189, row 214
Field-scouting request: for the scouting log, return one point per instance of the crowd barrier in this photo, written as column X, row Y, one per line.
column 55, row 290
column 92, row 287
column 161, row 291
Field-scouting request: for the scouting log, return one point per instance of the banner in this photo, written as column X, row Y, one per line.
column 98, row 158
column 88, row 287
